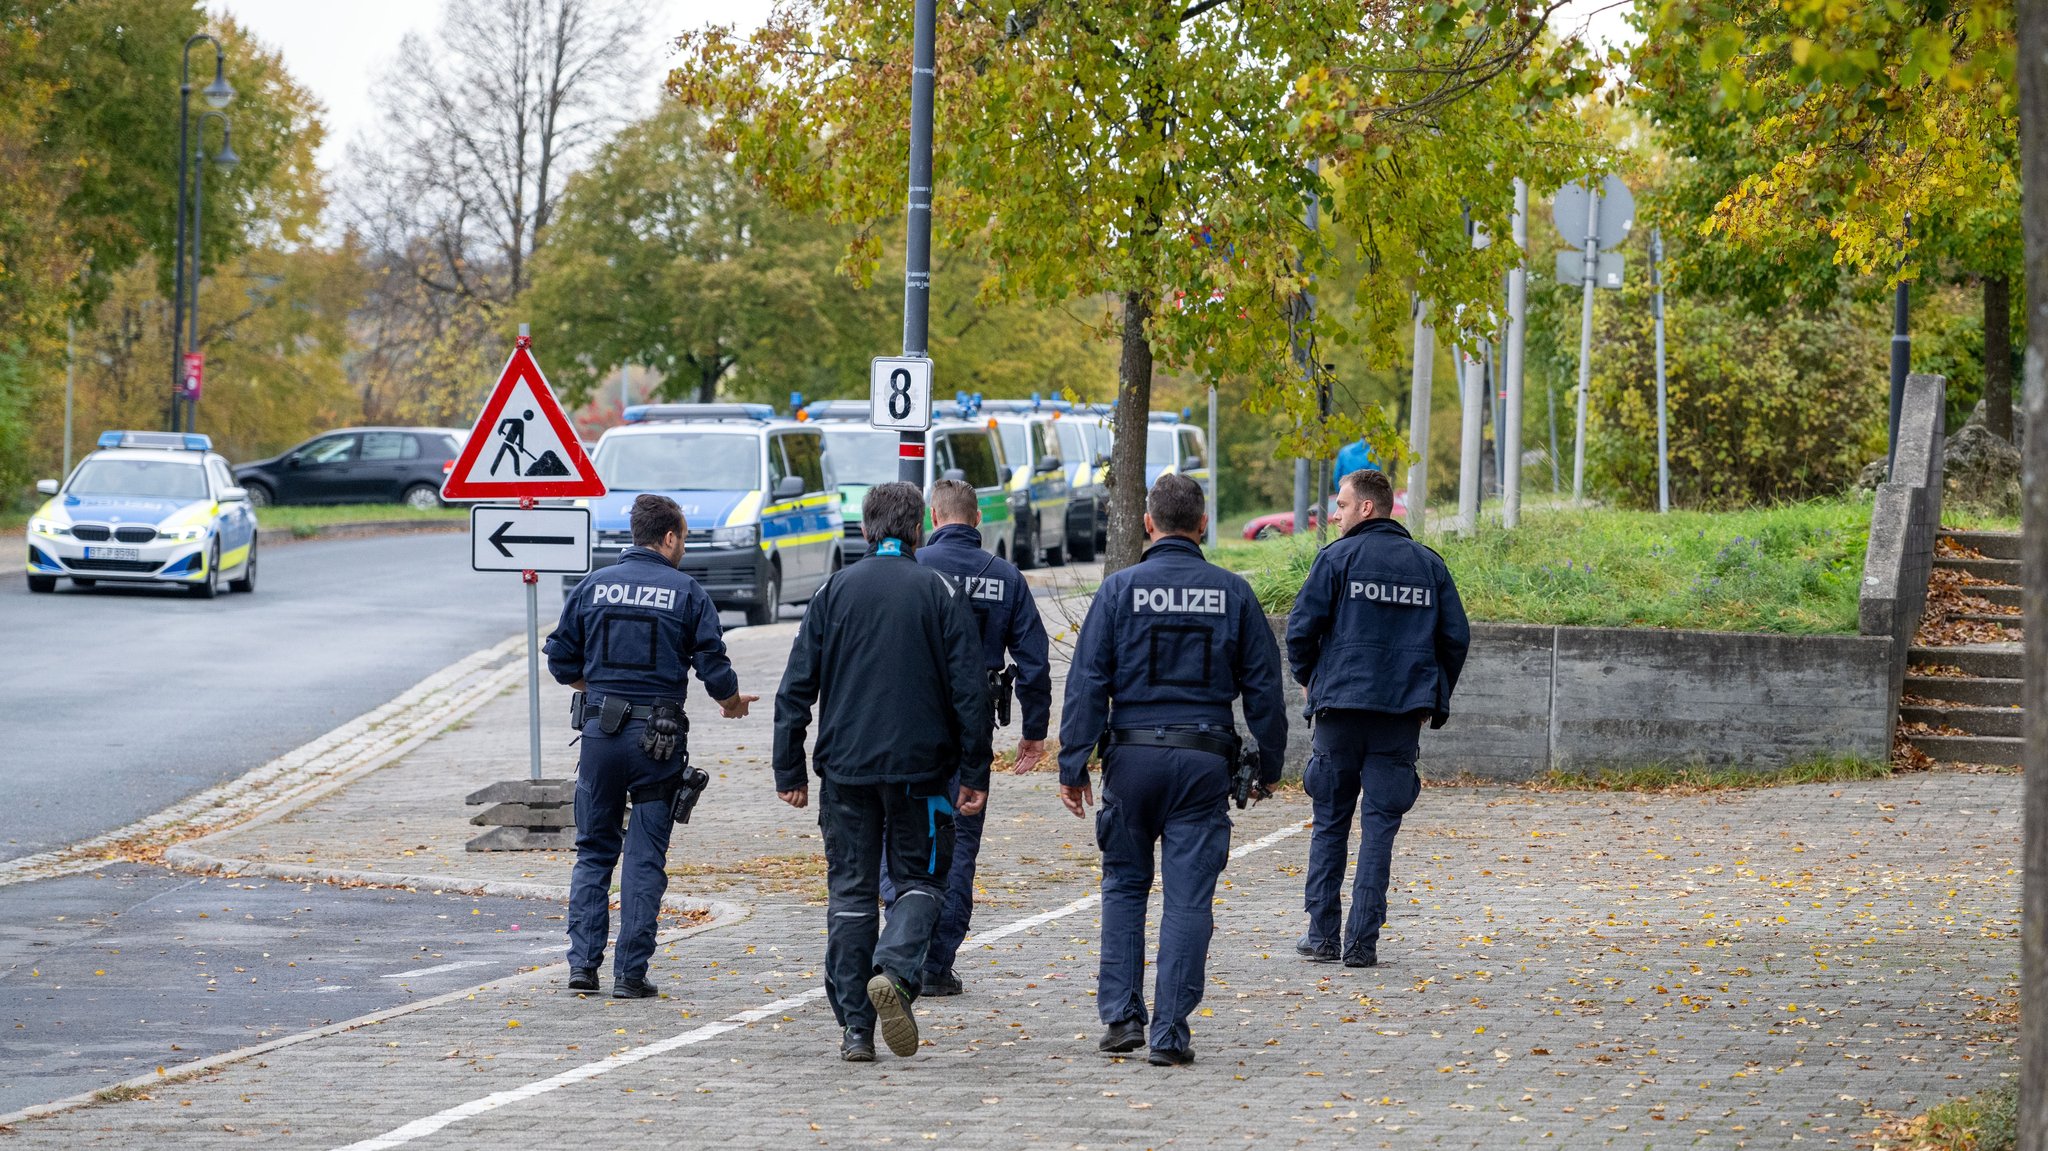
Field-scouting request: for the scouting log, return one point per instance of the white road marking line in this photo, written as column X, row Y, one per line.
column 420, row 1128
column 439, row 967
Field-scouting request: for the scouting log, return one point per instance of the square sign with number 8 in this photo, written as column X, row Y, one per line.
column 900, row 393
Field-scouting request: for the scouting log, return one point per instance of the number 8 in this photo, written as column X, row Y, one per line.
column 899, row 389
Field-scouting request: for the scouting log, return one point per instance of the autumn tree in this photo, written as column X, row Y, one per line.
column 1143, row 151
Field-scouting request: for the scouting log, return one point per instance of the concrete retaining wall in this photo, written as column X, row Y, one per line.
column 1535, row 698
column 1903, row 525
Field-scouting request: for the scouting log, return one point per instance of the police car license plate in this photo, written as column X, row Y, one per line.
column 112, row 554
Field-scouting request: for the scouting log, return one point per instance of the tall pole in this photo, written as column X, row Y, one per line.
column 532, row 581
column 1550, row 399
column 1418, row 419
column 1305, row 356
column 1471, row 395
column 1663, row 422
column 1215, row 466
column 1902, row 357
column 917, row 266
column 217, row 94
column 2033, row 136
column 1591, row 274
column 192, row 281
column 1509, row 432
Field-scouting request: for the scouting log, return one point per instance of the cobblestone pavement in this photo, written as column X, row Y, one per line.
column 1760, row 969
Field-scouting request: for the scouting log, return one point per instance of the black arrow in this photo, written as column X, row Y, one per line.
column 499, row 539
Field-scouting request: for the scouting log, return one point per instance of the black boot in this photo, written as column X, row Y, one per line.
column 857, row 1045
column 583, row 979
column 892, row 1010
column 1362, row 957
column 940, row 984
column 1122, row 1038
column 1316, row 951
column 1170, row 1057
column 634, row 987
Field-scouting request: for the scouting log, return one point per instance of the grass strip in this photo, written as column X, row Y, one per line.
column 1691, row 780
column 1986, row 1122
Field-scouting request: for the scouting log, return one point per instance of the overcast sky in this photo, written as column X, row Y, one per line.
column 339, row 47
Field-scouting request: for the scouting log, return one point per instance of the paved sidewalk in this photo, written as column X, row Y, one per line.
column 1761, row 969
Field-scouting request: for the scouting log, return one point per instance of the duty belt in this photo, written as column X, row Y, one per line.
column 1215, row 744
column 637, row 711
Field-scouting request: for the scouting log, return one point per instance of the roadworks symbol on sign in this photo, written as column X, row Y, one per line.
column 522, row 444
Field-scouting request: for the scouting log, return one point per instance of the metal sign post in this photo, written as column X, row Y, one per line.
column 917, row 258
column 1607, row 217
column 1418, row 418
column 1663, row 434
column 1508, row 433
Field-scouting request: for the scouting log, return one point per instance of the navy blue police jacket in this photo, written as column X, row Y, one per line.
column 1008, row 616
column 1173, row 639
column 636, row 629
column 1378, row 626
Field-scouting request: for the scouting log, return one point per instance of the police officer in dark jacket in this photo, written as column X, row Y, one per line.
column 1011, row 630
column 1168, row 645
column 890, row 654
column 1377, row 638
column 628, row 636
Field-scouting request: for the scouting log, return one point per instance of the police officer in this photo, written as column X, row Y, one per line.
column 1008, row 620
column 1168, row 645
column 890, row 655
column 628, row 636
column 1377, row 638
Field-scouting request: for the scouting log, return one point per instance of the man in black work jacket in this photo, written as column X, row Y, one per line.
column 889, row 652
column 1377, row 638
column 1168, row 644
column 1010, row 631
column 628, row 637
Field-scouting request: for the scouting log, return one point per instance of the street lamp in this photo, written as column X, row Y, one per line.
column 225, row 160
column 217, row 94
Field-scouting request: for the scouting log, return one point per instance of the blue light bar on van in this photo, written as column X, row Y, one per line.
column 836, row 410
column 170, row 441
column 664, row 413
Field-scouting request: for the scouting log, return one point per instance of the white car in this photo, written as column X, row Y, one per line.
column 146, row 508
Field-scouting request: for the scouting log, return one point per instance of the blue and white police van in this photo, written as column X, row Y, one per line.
column 762, row 515
column 956, row 447
column 1040, row 496
column 146, row 508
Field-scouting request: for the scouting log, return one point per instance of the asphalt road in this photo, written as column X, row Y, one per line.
column 116, row 703
column 106, row 977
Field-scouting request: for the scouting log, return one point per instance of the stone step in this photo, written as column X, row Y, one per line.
column 2004, row 571
column 1997, row 545
column 2002, row 596
column 1999, row 721
column 1993, row 660
column 1970, row 748
column 1988, row 692
column 2011, row 621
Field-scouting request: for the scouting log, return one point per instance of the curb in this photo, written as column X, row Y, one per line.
column 271, row 536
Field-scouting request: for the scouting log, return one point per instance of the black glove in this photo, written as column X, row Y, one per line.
column 659, row 738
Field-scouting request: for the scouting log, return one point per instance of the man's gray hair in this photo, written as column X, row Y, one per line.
column 893, row 511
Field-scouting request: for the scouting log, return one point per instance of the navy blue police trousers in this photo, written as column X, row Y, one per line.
column 1363, row 765
column 914, row 821
column 1167, row 803
column 610, row 769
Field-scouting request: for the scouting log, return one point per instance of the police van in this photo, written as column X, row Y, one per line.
column 146, row 508
column 762, row 516
column 1172, row 447
column 858, row 457
column 1040, row 495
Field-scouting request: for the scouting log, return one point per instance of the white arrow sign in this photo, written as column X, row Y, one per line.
column 506, row 538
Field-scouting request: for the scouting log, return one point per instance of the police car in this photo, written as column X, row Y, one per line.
column 1040, row 495
column 764, row 524
column 146, row 508
column 858, row 457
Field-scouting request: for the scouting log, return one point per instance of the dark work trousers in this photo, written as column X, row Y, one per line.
column 958, row 913
column 915, row 822
column 611, row 767
column 1172, row 801
column 1363, row 762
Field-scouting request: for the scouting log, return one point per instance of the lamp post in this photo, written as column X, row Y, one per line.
column 217, row 95
column 225, row 160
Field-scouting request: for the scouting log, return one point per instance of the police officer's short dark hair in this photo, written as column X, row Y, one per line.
column 1372, row 484
column 893, row 511
column 653, row 518
column 1176, row 504
column 954, row 501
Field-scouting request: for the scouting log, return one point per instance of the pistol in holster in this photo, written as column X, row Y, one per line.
column 1245, row 785
column 1001, row 686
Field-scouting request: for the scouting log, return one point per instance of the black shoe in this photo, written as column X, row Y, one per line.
column 1122, row 1038
column 940, row 984
column 583, row 979
column 1314, row 952
column 1361, row 958
column 1170, row 1057
column 634, row 987
column 857, row 1045
column 892, row 1011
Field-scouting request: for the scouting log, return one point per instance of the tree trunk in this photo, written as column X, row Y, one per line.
column 1998, row 356
column 2033, row 140
column 707, row 380
column 1127, row 455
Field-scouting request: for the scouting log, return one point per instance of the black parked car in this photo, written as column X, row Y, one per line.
column 357, row 466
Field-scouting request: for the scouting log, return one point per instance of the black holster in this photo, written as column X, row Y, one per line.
column 1001, row 685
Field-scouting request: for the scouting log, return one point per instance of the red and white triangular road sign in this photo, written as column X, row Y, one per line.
column 522, row 444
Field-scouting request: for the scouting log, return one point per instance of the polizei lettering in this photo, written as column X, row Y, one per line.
column 635, row 595
column 985, row 588
column 1403, row 595
column 1178, row 600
